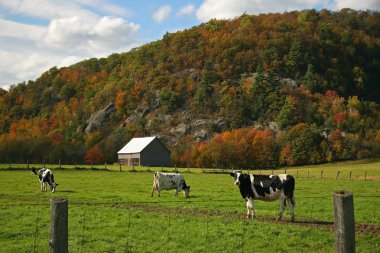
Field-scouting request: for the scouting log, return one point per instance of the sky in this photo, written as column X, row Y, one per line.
column 36, row 35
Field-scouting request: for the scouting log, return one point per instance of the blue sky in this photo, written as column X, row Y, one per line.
column 36, row 35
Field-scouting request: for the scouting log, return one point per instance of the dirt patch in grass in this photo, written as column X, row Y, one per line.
column 369, row 229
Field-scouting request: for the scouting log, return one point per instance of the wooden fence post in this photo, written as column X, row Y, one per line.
column 344, row 225
column 337, row 175
column 321, row 174
column 59, row 235
column 120, row 167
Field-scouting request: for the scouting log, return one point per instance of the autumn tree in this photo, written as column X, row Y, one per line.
column 94, row 155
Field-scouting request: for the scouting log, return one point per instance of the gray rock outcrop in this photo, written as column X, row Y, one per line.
column 98, row 119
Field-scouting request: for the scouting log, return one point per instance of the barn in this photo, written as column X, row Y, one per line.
column 144, row 151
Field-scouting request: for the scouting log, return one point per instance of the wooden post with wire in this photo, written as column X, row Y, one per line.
column 344, row 225
column 59, row 235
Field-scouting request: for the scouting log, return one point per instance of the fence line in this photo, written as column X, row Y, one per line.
column 188, row 201
column 297, row 172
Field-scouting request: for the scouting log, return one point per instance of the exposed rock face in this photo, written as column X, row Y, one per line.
column 139, row 113
column 221, row 124
column 97, row 120
column 200, row 124
column 289, row 81
column 180, row 129
column 202, row 135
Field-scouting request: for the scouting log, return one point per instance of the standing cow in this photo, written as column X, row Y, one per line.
column 46, row 177
column 169, row 181
column 266, row 188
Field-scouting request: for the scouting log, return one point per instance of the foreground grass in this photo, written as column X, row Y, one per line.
column 111, row 211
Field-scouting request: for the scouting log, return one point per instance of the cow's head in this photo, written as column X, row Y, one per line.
column 33, row 169
column 187, row 191
column 236, row 176
column 53, row 186
column 243, row 182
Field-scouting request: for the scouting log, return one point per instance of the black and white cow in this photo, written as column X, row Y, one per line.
column 46, row 177
column 169, row 181
column 266, row 188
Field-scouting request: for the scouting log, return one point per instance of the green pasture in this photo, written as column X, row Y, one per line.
column 112, row 211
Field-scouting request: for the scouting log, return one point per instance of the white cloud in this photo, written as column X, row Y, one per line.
column 358, row 5
column 17, row 30
column 162, row 13
column 186, row 10
column 46, row 9
column 72, row 34
column 93, row 36
column 226, row 9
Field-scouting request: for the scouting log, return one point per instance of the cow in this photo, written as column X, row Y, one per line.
column 46, row 177
column 169, row 181
column 266, row 188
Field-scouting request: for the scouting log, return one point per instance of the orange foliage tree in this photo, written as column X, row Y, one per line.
column 94, row 155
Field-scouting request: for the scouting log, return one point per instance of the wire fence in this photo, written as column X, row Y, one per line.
column 340, row 174
column 160, row 227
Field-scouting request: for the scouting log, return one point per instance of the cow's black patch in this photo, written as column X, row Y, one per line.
column 40, row 172
column 263, row 183
column 245, row 186
column 47, row 178
column 184, row 186
column 289, row 186
column 52, row 178
column 172, row 182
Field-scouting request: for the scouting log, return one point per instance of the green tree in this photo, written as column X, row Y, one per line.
column 288, row 115
column 306, row 147
column 309, row 81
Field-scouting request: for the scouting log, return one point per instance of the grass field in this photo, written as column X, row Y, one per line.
column 112, row 211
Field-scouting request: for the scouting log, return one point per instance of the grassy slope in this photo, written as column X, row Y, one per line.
column 102, row 218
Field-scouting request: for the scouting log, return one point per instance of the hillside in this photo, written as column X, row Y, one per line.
column 256, row 91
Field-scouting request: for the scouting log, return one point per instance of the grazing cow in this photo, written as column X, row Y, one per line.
column 169, row 181
column 46, row 177
column 266, row 188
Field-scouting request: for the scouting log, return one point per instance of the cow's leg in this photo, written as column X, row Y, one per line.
column 42, row 186
column 177, row 191
column 250, row 208
column 291, row 204
column 282, row 208
column 152, row 191
column 158, row 192
column 154, row 187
